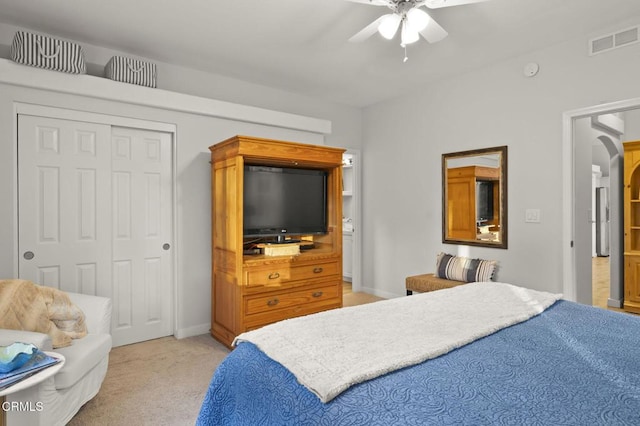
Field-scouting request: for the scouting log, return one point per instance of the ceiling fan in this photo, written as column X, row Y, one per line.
column 409, row 16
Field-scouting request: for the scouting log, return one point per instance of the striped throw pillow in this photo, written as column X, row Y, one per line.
column 464, row 269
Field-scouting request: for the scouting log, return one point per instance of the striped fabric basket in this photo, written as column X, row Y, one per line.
column 128, row 70
column 47, row 52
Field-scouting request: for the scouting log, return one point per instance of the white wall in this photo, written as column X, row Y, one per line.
column 346, row 121
column 405, row 138
column 195, row 133
column 631, row 125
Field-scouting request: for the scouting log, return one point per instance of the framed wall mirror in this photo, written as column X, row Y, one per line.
column 474, row 197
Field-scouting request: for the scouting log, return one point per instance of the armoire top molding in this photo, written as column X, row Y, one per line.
column 102, row 88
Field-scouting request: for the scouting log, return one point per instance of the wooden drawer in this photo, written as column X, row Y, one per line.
column 282, row 300
column 252, row 322
column 277, row 274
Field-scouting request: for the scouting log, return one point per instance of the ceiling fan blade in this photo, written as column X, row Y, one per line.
column 373, row 2
column 437, row 4
column 433, row 32
column 367, row 31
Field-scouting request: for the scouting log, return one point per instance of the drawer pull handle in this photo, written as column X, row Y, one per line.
column 273, row 302
column 317, row 294
column 274, row 275
column 317, row 270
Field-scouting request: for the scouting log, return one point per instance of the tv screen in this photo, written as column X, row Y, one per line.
column 284, row 201
column 484, row 201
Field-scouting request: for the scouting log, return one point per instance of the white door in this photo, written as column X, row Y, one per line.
column 63, row 221
column 142, row 234
column 93, row 201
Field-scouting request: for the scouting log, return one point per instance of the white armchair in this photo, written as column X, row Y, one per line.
column 79, row 380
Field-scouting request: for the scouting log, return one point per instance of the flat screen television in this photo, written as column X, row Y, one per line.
column 284, row 201
column 484, row 201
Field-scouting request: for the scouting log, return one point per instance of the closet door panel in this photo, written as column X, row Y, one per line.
column 64, row 224
column 95, row 216
column 143, row 223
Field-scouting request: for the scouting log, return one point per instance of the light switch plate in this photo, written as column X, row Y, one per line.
column 532, row 216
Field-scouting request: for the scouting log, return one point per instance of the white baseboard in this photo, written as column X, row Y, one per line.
column 380, row 293
column 195, row 330
column 614, row 303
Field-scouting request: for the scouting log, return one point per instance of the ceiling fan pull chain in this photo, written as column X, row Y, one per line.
column 406, row 58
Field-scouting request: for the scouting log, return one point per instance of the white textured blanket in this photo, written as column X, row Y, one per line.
column 330, row 351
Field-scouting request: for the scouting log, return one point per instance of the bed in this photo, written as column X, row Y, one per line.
column 565, row 364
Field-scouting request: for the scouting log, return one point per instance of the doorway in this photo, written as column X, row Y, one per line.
column 351, row 238
column 574, row 286
column 600, row 207
column 598, row 157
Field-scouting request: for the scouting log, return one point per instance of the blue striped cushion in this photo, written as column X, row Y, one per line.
column 464, row 269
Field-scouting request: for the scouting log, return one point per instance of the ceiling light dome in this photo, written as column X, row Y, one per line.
column 418, row 19
column 409, row 34
column 389, row 25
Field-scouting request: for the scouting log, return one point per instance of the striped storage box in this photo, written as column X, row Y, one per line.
column 132, row 71
column 47, row 52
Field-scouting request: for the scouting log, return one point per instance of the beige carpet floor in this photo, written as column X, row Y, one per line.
column 158, row 382
column 162, row 381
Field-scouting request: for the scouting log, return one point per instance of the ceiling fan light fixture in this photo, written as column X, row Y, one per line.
column 418, row 19
column 408, row 35
column 389, row 26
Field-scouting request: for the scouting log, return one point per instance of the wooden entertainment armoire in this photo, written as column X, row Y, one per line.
column 252, row 290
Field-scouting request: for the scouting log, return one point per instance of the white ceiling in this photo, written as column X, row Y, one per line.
column 301, row 45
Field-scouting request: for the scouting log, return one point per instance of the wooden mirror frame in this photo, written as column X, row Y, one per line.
column 498, row 230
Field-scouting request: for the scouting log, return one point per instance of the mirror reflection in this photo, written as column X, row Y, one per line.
column 474, row 197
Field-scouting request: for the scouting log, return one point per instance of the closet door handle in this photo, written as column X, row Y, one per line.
column 28, row 255
column 272, row 302
column 274, row 275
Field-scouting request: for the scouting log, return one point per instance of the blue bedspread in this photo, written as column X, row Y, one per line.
column 571, row 365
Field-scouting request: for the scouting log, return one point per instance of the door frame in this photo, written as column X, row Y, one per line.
column 21, row 108
column 569, row 284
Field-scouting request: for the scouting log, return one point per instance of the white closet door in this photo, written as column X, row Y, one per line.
column 64, row 221
column 95, row 217
column 142, row 234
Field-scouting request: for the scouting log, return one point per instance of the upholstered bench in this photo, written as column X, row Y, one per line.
column 451, row 271
column 428, row 282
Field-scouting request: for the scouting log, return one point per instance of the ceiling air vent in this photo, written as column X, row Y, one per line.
column 614, row 40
